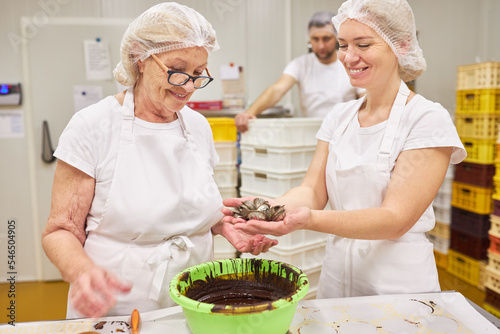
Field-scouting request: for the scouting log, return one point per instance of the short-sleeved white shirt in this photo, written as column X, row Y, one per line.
column 424, row 124
column 321, row 86
column 90, row 143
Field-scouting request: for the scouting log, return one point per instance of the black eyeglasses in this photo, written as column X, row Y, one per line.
column 177, row 78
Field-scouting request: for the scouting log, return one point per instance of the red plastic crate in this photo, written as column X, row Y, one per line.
column 474, row 247
column 496, row 207
column 469, row 222
column 205, row 105
column 492, row 298
column 475, row 174
column 494, row 242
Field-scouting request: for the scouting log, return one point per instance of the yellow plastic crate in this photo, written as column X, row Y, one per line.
column 441, row 259
column 479, row 151
column 496, row 188
column 472, row 198
column 464, row 267
column 482, row 275
column 478, row 76
column 223, row 128
column 478, row 101
column 478, row 126
column 497, row 158
column 491, row 310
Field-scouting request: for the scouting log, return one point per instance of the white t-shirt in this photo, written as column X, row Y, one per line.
column 424, row 124
column 321, row 86
column 90, row 143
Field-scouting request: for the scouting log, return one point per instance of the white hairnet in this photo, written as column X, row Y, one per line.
column 164, row 27
column 394, row 22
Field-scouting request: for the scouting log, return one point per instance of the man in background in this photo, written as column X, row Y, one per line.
column 322, row 79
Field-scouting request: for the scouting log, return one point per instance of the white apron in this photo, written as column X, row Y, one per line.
column 157, row 217
column 354, row 267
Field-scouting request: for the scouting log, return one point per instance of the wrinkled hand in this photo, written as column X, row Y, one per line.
column 247, row 242
column 294, row 220
column 93, row 293
column 241, row 121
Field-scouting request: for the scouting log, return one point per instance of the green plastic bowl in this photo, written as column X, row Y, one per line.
column 273, row 317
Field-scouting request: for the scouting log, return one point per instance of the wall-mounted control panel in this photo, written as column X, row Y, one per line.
column 10, row 94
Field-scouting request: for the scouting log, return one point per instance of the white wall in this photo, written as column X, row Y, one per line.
column 261, row 35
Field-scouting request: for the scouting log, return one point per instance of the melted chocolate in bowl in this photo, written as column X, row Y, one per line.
column 249, row 285
column 225, row 290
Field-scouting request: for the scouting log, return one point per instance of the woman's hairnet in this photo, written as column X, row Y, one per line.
column 394, row 22
column 164, row 27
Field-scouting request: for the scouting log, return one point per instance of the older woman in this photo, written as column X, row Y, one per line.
column 134, row 201
column 379, row 162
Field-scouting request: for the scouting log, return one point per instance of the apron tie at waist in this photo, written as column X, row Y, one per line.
column 158, row 261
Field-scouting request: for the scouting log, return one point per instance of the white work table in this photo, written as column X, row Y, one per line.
column 444, row 312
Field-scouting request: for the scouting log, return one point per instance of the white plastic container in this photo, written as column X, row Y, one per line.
column 274, row 184
column 313, row 273
column 228, row 192
column 227, row 153
column 245, row 193
column 440, row 244
column 279, row 160
column 300, row 238
column 306, row 256
column 224, row 255
column 447, row 185
column 223, row 248
column 281, row 132
column 443, row 199
column 442, row 213
column 226, row 176
column 311, row 294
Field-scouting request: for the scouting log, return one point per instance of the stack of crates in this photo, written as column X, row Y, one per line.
column 275, row 155
column 225, row 173
column 492, row 302
column 440, row 235
column 477, row 118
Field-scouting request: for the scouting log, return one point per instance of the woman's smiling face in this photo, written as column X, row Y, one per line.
column 157, row 94
column 367, row 58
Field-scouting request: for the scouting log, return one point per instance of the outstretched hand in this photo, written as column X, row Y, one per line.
column 295, row 220
column 241, row 121
column 235, row 202
column 93, row 293
column 247, row 242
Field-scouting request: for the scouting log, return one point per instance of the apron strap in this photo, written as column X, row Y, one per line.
column 393, row 123
column 127, row 110
column 186, row 132
column 343, row 126
column 160, row 258
column 128, row 104
column 128, row 115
